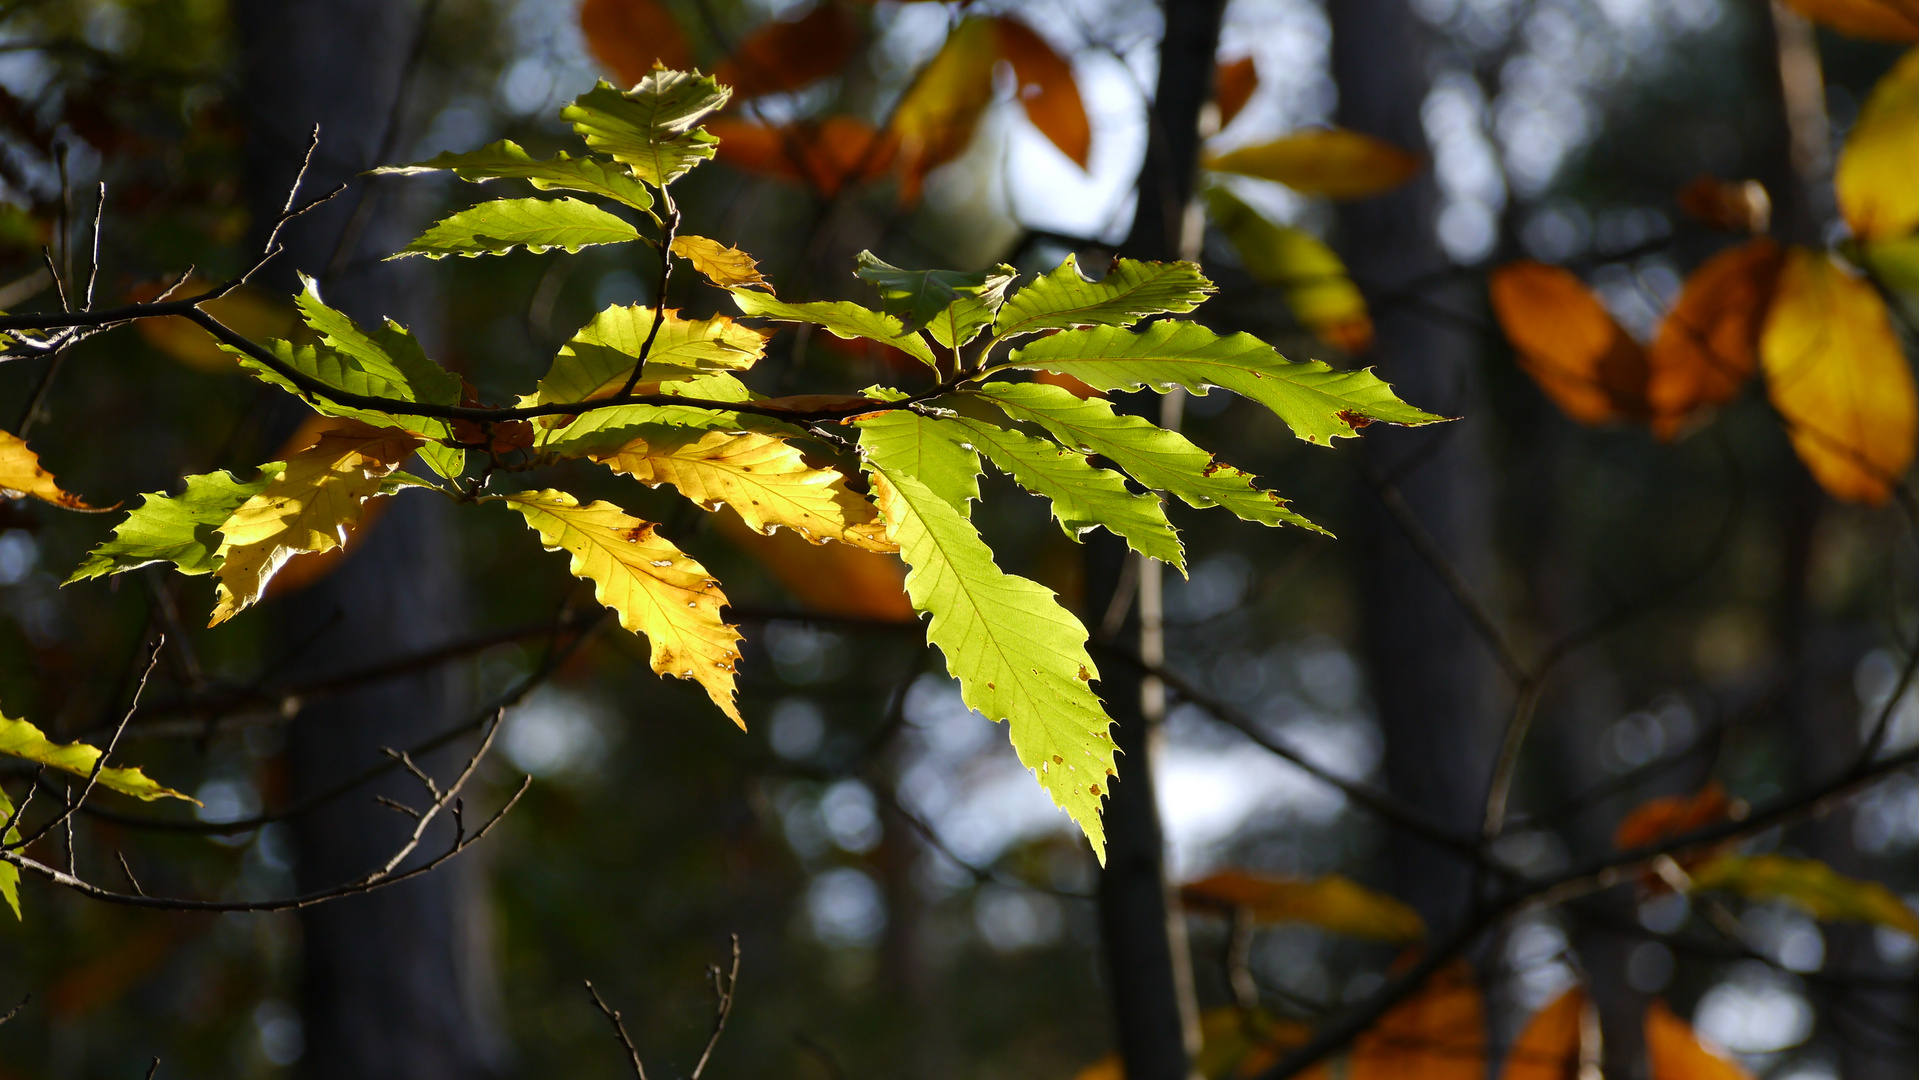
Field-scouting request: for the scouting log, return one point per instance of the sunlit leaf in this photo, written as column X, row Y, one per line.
column 937, row 454
column 651, row 127
column 1873, row 178
column 723, row 266
column 505, row 160
column 1317, row 287
column 1130, row 291
column 630, row 36
column 1880, row 20
column 654, row 587
column 786, row 54
column 1675, row 1053
column 182, row 529
column 1233, row 86
column 499, row 226
column 951, row 305
column 22, row 476
column 1046, row 89
column 1549, row 1047
column 1332, row 902
column 22, row 740
column 842, row 318
column 1708, row 345
column 825, row 154
column 935, row 120
column 574, row 436
column 1836, row 373
column 1566, row 340
column 599, row 359
column 9, row 873
column 1336, row 163
column 832, row 578
column 1735, row 206
column 1810, row 885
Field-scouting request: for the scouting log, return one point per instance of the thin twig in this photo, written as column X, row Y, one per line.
column 619, row 1030
column 100, row 763
column 671, row 230
column 15, row 1011
column 724, row 984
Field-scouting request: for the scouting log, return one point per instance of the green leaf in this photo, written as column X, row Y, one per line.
column 497, row 227
column 9, row 873
column 1083, row 496
column 936, row 453
column 571, row 437
column 1019, row 655
column 1130, row 291
column 841, row 318
column 505, row 160
column 1156, row 457
column 953, row 306
column 1316, row 401
column 651, row 127
column 22, row 740
column 601, row 356
column 1810, row 885
column 182, row 530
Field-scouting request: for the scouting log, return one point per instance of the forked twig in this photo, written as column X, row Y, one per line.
column 723, row 986
column 619, row 1030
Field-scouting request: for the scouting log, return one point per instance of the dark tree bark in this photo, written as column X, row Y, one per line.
column 395, row 983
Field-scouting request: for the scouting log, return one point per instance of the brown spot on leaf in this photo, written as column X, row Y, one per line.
column 1355, row 419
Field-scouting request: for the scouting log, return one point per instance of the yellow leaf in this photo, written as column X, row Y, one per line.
column 1439, row 1033
column 1675, row 1053
column 832, row 578
column 1317, row 286
column 786, row 55
column 1565, row 339
column 1835, row 372
column 1335, row 162
column 1047, row 90
column 22, row 477
column 655, row 588
column 1880, row 20
column 723, row 266
column 1233, row 86
column 1333, row 903
column 1708, row 345
column 762, row 477
column 1873, row 178
column 9, row 873
column 630, row 36
column 1811, row 885
column 1548, row 1048
column 936, row 118
column 317, row 495
column 22, row 740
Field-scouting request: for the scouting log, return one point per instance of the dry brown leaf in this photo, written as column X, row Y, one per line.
column 1675, row 1053
column 832, row 578
column 1879, row 20
column 1233, row 86
column 1333, row 162
column 1732, row 205
column 1047, row 90
column 935, row 120
column 21, row 476
column 630, row 36
column 1708, row 344
column 826, row 155
column 1837, row 375
column 1548, row 1048
column 1565, row 339
column 788, row 54
column 1332, row 902
column 723, row 266
column 1439, row 1033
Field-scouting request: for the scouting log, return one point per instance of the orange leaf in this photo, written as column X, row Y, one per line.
column 1549, row 1046
column 1673, row 815
column 1741, row 206
column 630, row 36
column 1837, row 375
column 252, row 313
column 1709, row 342
column 1880, row 20
column 1331, row 902
column 786, row 55
column 826, row 155
column 833, row 578
column 936, row 118
column 1336, row 163
column 1233, row 86
column 1675, row 1053
column 1439, row 1033
column 1046, row 89
column 1566, row 341
column 1074, row 386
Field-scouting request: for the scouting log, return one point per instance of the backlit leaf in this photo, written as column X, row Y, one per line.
column 1439, row 1033
column 1158, row 458
column 599, row 359
column 1549, row 1047
column 1880, row 20
column 1565, row 339
column 833, row 578
column 842, row 318
column 1046, row 89
column 182, row 529
column 1836, row 373
column 651, row 127
column 1317, row 287
column 825, row 154
column 787, row 54
column 723, row 266
column 22, row 740
column 1332, row 902
column 22, row 476
column 1810, row 885
column 304, row 507
column 630, row 36
column 1675, row 1053
column 505, row 160
column 1873, row 177
column 1130, row 291
column 573, row 436
column 1316, row 401
column 499, row 226
column 1336, row 163
column 935, row 120
column 9, row 873
column 1708, row 345
column 1233, row 86
column 1741, row 206
column 653, row 586
column 951, row 305
column 1019, row 655
column 937, row 454
column 762, row 477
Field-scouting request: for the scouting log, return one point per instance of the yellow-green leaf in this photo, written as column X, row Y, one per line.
column 1873, row 178
column 841, row 318
column 1332, row 902
column 20, row 739
column 600, row 358
column 9, row 873
column 1810, row 885
column 499, row 226
column 21, row 475
column 723, row 266
column 1336, row 163
column 652, row 126
column 181, row 529
column 505, row 160
column 1130, row 291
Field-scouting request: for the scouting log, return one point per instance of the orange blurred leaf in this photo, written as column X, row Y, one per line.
column 1837, row 375
column 935, row 120
column 1439, row 1033
column 788, row 54
column 826, row 155
column 1233, row 86
column 723, row 266
column 1565, row 339
column 1332, row 902
column 1873, row 177
column 1548, row 1048
column 1333, row 162
column 630, row 36
column 1674, row 815
column 1675, row 1053
column 252, row 313
column 1046, row 90
column 1880, row 20
column 1708, row 345
column 833, row 578
column 1735, row 206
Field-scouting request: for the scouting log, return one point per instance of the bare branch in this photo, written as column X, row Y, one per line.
column 619, row 1031
column 723, row 987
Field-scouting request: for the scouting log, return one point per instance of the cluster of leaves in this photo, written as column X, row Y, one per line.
column 1815, row 322
column 653, row 394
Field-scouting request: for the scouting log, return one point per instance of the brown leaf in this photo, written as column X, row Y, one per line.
column 935, row 120
column 788, row 54
column 1439, row 1033
column 1675, row 1053
column 723, row 266
column 1336, row 163
column 1565, row 339
column 1879, row 20
column 1332, row 902
column 1708, row 344
column 1047, row 90
column 21, row 476
column 1233, row 86
column 826, row 155
column 1733, row 205
column 630, row 36
column 1548, row 1048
